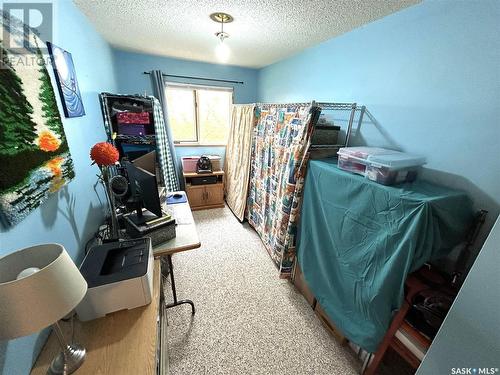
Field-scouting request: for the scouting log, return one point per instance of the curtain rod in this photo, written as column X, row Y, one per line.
column 200, row 78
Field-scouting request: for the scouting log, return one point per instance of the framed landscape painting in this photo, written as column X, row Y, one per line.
column 67, row 84
column 34, row 154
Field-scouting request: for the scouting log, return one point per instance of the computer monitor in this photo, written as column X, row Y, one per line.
column 146, row 162
column 144, row 192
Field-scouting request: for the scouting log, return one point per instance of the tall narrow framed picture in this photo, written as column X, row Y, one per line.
column 67, row 84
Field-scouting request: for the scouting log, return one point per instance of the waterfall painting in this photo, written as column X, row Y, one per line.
column 34, row 155
column 67, row 83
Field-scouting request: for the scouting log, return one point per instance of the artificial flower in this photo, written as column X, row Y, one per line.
column 104, row 153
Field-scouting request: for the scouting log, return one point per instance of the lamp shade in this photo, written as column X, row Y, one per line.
column 38, row 286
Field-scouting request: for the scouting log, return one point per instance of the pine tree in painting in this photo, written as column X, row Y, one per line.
column 49, row 105
column 17, row 129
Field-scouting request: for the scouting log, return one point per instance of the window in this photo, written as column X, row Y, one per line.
column 199, row 114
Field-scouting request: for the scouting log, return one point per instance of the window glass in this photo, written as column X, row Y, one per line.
column 214, row 115
column 199, row 115
column 181, row 113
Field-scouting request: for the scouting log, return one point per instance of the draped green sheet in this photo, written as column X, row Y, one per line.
column 359, row 240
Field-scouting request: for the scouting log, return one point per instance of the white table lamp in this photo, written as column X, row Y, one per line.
column 40, row 285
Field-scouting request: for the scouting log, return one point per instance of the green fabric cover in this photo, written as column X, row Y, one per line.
column 359, row 240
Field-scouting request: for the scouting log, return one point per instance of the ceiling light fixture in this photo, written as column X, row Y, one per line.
column 222, row 50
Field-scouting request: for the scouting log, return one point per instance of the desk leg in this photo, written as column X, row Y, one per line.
column 174, row 292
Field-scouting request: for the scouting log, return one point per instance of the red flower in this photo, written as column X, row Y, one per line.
column 104, row 153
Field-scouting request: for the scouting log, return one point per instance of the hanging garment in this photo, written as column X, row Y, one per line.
column 279, row 156
column 237, row 160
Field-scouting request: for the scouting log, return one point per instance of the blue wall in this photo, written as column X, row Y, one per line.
column 71, row 216
column 430, row 77
column 131, row 80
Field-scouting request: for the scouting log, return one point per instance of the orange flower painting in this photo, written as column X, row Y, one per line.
column 48, row 141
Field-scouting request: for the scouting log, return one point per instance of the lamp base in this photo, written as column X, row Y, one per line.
column 68, row 361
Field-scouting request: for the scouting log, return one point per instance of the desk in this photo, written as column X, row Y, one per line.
column 128, row 342
column 186, row 238
column 124, row 342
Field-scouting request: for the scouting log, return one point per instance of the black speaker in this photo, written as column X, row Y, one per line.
column 119, row 186
column 204, row 180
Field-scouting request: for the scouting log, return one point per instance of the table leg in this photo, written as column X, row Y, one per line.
column 174, row 292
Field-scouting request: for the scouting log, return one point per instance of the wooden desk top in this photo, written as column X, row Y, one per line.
column 123, row 342
column 186, row 236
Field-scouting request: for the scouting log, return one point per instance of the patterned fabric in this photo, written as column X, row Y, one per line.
column 165, row 160
column 237, row 160
column 164, row 156
column 158, row 86
column 279, row 156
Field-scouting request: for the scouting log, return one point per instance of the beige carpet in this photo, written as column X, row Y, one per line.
column 247, row 320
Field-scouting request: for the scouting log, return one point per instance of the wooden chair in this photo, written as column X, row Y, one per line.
column 413, row 285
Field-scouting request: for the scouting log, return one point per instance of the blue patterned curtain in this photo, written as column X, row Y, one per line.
column 279, row 156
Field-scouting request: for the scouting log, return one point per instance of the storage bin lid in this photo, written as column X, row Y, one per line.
column 396, row 160
column 363, row 152
column 213, row 157
column 190, row 157
column 382, row 157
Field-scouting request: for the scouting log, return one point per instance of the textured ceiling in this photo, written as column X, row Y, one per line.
column 263, row 31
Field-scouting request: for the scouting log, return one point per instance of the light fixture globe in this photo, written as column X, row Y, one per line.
column 222, row 50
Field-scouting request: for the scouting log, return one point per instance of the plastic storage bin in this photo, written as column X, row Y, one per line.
column 355, row 159
column 133, row 118
column 189, row 163
column 216, row 164
column 387, row 167
column 132, row 129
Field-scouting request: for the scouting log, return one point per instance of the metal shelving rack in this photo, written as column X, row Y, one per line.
column 329, row 106
column 352, row 107
column 114, row 137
